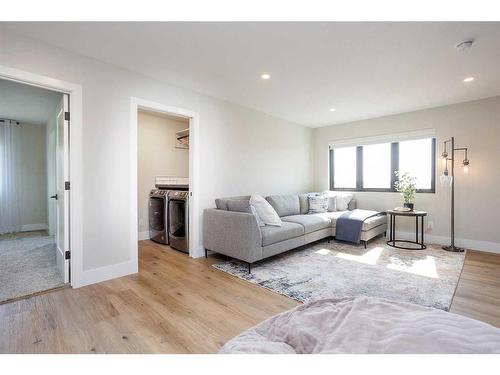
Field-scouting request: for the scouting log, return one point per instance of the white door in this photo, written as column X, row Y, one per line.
column 52, row 178
column 62, row 177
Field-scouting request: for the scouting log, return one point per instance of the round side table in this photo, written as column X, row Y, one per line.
column 392, row 229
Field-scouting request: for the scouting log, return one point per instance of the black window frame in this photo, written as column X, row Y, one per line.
column 394, row 168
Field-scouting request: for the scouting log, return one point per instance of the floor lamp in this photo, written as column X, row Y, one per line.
column 448, row 179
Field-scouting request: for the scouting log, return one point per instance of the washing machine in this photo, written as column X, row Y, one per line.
column 178, row 219
column 158, row 216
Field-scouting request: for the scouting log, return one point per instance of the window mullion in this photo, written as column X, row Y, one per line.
column 394, row 163
column 359, row 168
column 331, row 169
column 433, row 165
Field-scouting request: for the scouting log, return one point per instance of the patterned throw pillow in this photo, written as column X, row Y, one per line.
column 318, row 203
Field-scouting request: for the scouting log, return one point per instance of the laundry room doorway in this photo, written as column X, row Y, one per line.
column 164, row 186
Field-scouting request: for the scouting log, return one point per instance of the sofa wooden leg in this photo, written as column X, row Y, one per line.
column 206, row 253
column 329, row 238
column 249, row 267
column 365, row 244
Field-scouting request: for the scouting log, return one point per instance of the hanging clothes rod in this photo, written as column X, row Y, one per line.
column 8, row 119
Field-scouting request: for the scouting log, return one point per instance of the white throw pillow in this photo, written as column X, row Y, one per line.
column 332, row 200
column 260, row 223
column 318, row 203
column 265, row 211
column 343, row 201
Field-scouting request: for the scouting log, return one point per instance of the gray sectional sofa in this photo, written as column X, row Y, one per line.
column 232, row 229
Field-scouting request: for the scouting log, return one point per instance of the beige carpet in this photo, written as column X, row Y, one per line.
column 27, row 264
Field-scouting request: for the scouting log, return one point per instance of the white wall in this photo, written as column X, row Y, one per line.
column 157, row 156
column 474, row 125
column 241, row 151
column 33, row 177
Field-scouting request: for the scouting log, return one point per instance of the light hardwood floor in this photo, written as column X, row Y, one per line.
column 181, row 305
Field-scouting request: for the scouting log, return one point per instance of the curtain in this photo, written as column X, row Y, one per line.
column 10, row 134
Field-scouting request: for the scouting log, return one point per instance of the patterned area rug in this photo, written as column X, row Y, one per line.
column 27, row 264
column 336, row 270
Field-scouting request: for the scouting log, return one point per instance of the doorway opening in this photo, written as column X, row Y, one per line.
column 164, row 153
column 34, row 196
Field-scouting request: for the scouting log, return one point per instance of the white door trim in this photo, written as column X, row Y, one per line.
column 76, row 198
column 195, row 248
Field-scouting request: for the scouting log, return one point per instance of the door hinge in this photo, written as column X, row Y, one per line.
column 67, row 254
column 67, row 185
column 66, row 116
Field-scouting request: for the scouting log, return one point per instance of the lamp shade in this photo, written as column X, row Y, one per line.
column 445, row 180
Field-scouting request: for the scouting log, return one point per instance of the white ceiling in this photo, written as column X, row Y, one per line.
column 364, row 70
column 27, row 104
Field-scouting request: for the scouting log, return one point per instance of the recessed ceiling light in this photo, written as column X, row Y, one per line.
column 333, row 109
column 469, row 79
column 265, row 76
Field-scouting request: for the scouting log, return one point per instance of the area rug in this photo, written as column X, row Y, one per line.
column 335, row 270
column 27, row 264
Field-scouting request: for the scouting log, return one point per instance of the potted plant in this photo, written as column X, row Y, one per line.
column 406, row 186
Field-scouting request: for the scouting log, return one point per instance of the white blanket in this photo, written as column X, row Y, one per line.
column 366, row 325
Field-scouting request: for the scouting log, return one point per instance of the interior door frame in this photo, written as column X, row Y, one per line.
column 195, row 248
column 75, row 157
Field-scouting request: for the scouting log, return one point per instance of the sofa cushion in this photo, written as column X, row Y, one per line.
column 221, row 203
column 369, row 223
column 311, row 223
column 238, row 205
column 272, row 234
column 285, row 205
column 304, row 203
column 244, row 206
column 373, row 222
column 332, row 216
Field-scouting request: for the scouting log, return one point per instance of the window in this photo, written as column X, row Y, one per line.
column 415, row 157
column 371, row 167
column 377, row 166
column 345, row 167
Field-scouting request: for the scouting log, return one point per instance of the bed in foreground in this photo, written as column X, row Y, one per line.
column 366, row 325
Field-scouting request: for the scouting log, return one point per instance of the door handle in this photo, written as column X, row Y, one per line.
column 53, row 197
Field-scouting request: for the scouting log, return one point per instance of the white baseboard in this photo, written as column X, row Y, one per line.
column 200, row 253
column 32, row 227
column 143, row 235
column 97, row 275
column 490, row 247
